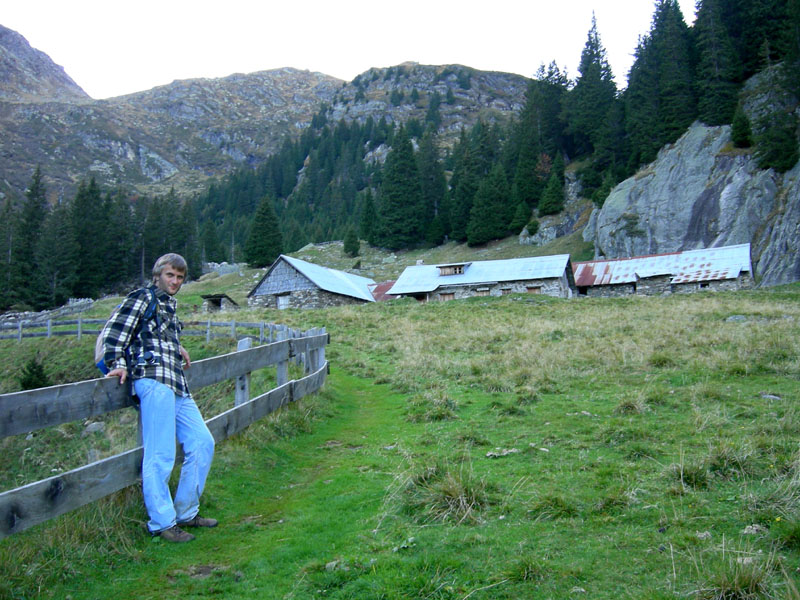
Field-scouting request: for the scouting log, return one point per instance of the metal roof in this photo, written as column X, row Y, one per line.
column 330, row 280
column 426, row 278
column 708, row 264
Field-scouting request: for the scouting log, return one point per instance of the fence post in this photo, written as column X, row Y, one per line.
column 261, row 333
column 243, row 381
column 283, row 366
column 80, row 327
column 208, row 331
column 49, row 327
column 233, row 328
column 19, row 328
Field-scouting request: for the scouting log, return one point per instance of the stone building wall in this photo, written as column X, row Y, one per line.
column 306, row 298
column 548, row 287
column 654, row 286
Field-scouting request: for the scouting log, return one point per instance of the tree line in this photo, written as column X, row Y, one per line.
column 499, row 177
column 395, row 186
column 91, row 244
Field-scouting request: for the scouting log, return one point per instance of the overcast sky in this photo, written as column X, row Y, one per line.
column 111, row 48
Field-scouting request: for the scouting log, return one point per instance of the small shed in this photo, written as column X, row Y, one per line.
column 294, row 283
column 218, row 302
column 720, row 268
column 549, row 275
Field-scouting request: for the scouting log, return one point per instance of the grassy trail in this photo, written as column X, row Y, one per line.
column 289, row 506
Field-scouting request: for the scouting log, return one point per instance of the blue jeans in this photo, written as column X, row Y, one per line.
column 165, row 417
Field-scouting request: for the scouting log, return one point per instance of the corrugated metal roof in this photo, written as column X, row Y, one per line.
column 331, row 280
column 380, row 291
column 708, row 264
column 426, row 278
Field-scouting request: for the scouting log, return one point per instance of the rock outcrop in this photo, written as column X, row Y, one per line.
column 702, row 192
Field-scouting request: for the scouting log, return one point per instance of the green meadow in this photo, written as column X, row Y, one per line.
column 514, row 447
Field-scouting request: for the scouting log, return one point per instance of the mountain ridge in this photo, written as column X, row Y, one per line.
column 181, row 134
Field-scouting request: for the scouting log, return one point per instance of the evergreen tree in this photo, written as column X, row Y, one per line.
column 264, row 244
column 89, row 226
column 187, row 239
column 776, row 145
column 55, row 275
column 351, row 244
column 401, row 203
column 521, row 217
column 719, row 69
column 368, row 223
column 212, row 250
column 432, row 182
column 433, row 117
column 553, row 197
column 741, row 133
column 489, row 216
column 587, row 105
column 29, row 228
column 8, row 231
column 659, row 100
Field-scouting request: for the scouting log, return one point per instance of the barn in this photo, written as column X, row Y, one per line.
column 294, row 283
column 549, row 275
column 721, row 268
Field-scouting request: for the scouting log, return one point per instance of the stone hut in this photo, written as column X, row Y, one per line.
column 217, row 303
column 721, row 268
column 549, row 275
column 294, row 283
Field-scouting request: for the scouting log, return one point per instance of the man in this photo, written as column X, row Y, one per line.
column 153, row 348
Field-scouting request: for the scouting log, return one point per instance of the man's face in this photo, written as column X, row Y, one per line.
column 170, row 280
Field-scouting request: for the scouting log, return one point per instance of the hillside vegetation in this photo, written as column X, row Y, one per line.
column 514, row 447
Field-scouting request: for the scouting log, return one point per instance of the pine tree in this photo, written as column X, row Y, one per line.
column 587, row 105
column 211, row 246
column 89, row 226
column 521, row 217
column 55, row 275
column 431, row 176
column 718, row 69
column 8, row 232
column 351, row 244
column 368, row 223
column 489, row 216
column 553, row 197
column 264, row 243
column 29, row 227
column 659, row 101
column 401, row 204
column 741, row 132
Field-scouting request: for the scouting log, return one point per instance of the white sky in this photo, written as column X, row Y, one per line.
column 111, row 48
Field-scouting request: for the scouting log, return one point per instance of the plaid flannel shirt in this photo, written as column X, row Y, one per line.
column 163, row 342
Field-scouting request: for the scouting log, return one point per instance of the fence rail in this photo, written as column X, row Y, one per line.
column 24, row 412
column 267, row 332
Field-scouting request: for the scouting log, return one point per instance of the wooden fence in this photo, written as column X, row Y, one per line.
column 265, row 332
column 24, row 412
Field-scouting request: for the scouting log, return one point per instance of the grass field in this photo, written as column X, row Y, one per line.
column 515, row 447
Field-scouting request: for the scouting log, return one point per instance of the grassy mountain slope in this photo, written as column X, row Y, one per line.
column 490, row 448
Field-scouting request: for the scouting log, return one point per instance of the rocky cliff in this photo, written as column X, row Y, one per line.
column 699, row 193
column 181, row 134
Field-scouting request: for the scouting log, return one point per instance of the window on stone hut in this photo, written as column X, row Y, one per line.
column 482, row 292
column 282, row 301
column 506, row 291
column 446, row 297
column 445, row 270
column 534, row 289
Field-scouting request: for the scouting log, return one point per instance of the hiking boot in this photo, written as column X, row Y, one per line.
column 198, row 521
column 175, row 534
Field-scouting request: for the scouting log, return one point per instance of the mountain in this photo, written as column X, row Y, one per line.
column 29, row 76
column 179, row 135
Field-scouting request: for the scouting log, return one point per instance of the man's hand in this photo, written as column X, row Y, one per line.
column 186, row 359
column 121, row 373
